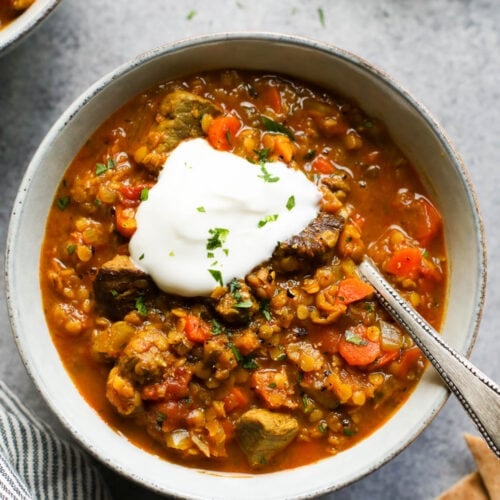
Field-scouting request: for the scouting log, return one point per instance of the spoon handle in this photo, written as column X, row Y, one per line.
column 479, row 395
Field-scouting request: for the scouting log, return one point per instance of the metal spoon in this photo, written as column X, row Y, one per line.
column 479, row 395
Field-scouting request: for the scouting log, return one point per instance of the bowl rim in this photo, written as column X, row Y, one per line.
column 18, row 29
column 73, row 109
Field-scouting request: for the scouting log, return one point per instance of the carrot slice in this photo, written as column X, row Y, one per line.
column 323, row 166
column 196, row 329
column 407, row 362
column 222, row 131
column 405, row 262
column 236, row 399
column 353, row 289
column 272, row 98
column 356, row 349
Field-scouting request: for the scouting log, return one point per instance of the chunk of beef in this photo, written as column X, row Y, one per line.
column 235, row 304
column 313, row 245
column 180, row 117
column 262, row 434
column 121, row 393
column 119, row 284
column 274, row 388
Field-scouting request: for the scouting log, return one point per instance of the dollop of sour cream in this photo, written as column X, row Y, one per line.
column 213, row 216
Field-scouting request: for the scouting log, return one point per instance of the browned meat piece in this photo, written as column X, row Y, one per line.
column 118, row 286
column 314, row 245
column 235, row 304
column 180, row 117
column 262, row 434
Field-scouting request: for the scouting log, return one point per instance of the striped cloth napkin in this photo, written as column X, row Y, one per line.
column 36, row 464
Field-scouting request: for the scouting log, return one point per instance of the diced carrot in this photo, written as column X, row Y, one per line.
column 196, row 329
column 236, row 399
column 356, row 348
column 271, row 97
column 329, row 341
column 222, row 130
column 353, row 289
column 322, row 165
column 125, row 220
column 405, row 262
column 406, row 363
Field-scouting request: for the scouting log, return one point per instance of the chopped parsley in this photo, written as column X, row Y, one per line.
column 321, row 15
column 351, row 337
column 237, row 354
column 305, row 401
column 272, row 126
column 262, row 154
column 265, row 309
column 267, row 176
column 63, row 202
column 171, row 253
column 322, row 427
column 217, row 238
column 272, row 385
column 201, row 209
column 160, row 418
column 140, row 306
column 191, row 14
column 114, row 293
column 102, row 168
column 290, row 203
column 217, row 328
column 266, row 219
column 234, row 289
column 141, row 257
column 349, row 432
column 247, row 304
column 248, row 363
column 144, row 194
column 71, row 249
column 217, row 276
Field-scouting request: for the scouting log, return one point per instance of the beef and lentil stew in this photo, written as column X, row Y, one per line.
column 293, row 361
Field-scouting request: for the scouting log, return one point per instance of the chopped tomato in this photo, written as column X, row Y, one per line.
column 406, row 363
column 323, row 166
column 353, row 289
column 125, row 220
column 421, row 219
column 236, row 399
column 272, row 98
column 329, row 341
column 133, row 193
column 196, row 329
column 405, row 262
column 356, row 348
column 222, row 131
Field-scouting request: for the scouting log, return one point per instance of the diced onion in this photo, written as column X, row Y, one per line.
column 392, row 339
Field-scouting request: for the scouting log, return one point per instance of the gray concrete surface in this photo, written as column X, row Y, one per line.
column 446, row 52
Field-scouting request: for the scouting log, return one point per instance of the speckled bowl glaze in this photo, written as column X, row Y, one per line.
column 23, row 25
column 412, row 128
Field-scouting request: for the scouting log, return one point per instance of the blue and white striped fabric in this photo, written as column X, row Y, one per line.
column 36, row 464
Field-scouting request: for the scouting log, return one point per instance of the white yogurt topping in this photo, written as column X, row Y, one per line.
column 213, row 216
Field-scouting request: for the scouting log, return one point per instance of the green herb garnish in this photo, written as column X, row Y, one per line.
column 217, row 238
column 351, row 337
column 234, row 289
column 144, row 194
column 216, row 327
column 71, row 249
column 140, row 306
column 237, row 354
column 266, row 219
column 191, row 14
column 262, row 154
column 141, row 257
column 63, row 202
column 290, row 202
column 272, row 126
column 102, row 168
column 321, row 15
column 201, row 209
column 217, row 276
column 265, row 309
column 349, row 432
column 267, row 176
column 247, row 304
column 322, row 427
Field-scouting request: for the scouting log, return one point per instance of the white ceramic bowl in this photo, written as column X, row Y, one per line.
column 413, row 129
column 20, row 27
